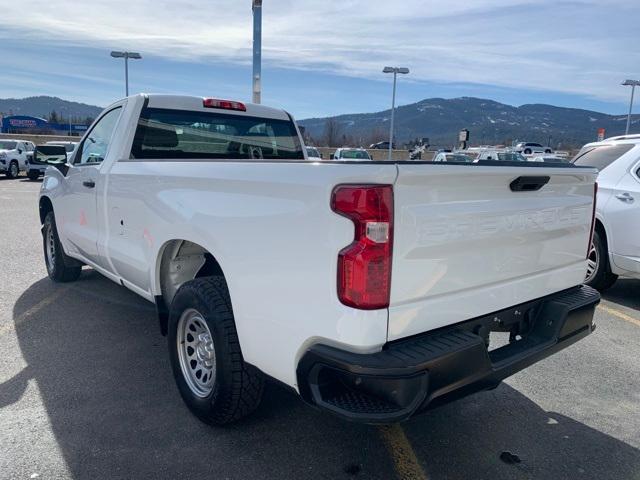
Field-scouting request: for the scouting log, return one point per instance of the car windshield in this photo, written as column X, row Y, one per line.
column 184, row 134
column 312, row 152
column 458, row 157
column 511, row 157
column 600, row 156
column 8, row 145
column 355, row 155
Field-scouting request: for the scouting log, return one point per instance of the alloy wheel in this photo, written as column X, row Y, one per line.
column 196, row 352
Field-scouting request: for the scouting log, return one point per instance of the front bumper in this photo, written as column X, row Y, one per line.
column 414, row 374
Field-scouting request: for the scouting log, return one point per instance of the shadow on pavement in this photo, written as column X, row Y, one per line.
column 102, row 369
column 626, row 291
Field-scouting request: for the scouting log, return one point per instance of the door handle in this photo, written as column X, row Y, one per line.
column 625, row 197
column 89, row 183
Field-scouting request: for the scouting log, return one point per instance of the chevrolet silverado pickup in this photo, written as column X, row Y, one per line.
column 373, row 289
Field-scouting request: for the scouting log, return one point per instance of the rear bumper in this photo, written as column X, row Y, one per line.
column 414, row 374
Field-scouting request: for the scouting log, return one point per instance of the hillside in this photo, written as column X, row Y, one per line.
column 489, row 122
column 42, row 105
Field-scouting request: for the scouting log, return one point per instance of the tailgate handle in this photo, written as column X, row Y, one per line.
column 528, row 184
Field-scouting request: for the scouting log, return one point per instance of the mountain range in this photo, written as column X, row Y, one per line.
column 439, row 119
column 42, row 106
column 488, row 121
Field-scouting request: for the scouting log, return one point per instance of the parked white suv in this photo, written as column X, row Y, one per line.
column 616, row 241
column 351, row 154
column 13, row 156
column 529, row 148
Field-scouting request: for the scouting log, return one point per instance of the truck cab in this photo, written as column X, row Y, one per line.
column 13, row 156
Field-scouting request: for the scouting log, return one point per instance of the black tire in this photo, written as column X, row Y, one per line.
column 547, row 150
column 236, row 388
column 60, row 267
column 602, row 278
column 527, row 151
column 33, row 175
column 13, row 165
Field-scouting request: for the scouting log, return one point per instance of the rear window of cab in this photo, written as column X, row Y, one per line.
column 191, row 135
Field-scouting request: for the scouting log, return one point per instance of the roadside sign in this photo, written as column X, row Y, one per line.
column 600, row 134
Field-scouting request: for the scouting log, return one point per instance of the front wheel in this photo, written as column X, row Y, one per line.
column 599, row 275
column 14, row 170
column 207, row 363
column 60, row 267
column 527, row 151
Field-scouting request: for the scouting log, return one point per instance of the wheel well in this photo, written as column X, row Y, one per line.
column 180, row 262
column 45, row 207
column 599, row 227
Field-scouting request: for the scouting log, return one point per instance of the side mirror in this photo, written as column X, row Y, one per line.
column 20, row 151
column 54, row 155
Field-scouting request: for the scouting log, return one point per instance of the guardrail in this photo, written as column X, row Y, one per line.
column 40, row 139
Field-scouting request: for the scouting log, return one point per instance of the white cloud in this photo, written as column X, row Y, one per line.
column 580, row 47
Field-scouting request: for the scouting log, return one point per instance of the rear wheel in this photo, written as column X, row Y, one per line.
column 60, row 267
column 211, row 375
column 548, row 150
column 527, row 151
column 599, row 274
column 14, row 170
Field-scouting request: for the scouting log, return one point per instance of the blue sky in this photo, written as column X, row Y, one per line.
column 325, row 58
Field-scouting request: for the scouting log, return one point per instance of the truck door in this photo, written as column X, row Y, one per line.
column 83, row 182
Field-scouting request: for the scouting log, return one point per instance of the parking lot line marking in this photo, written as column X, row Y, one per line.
column 619, row 314
column 31, row 311
column 404, row 458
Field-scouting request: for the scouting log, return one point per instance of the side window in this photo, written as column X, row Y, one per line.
column 94, row 147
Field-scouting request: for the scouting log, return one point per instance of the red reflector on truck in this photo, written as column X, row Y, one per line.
column 364, row 266
column 223, row 104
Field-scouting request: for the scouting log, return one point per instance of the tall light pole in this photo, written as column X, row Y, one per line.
column 126, row 56
column 257, row 49
column 68, row 117
column 633, row 84
column 395, row 71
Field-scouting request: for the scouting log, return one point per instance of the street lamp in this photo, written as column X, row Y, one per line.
column 257, row 50
column 395, row 71
column 126, row 56
column 633, row 84
column 68, row 117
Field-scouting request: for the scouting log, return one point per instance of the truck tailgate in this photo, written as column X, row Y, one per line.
column 466, row 245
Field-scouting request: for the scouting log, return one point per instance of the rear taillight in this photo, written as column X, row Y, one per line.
column 364, row 266
column 223, row 104
column 593, row 217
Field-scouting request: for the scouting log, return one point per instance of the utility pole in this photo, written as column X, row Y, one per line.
column 257, row 50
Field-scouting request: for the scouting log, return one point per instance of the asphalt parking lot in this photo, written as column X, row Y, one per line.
column 86, row 392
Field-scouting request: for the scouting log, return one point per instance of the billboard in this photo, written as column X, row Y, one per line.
column 27, row 124
column 14, row 123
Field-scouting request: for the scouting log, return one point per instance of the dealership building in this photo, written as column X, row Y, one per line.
column 27, row 125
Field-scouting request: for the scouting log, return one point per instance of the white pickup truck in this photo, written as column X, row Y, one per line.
column 372, row 289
